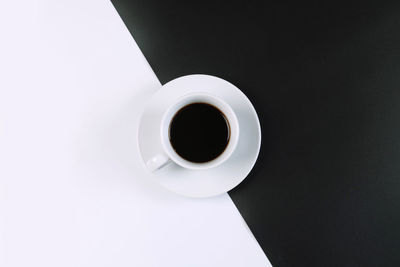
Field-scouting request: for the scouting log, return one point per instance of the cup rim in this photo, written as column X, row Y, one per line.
column 193, row 98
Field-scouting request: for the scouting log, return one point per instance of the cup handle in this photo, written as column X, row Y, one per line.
column 157, row 162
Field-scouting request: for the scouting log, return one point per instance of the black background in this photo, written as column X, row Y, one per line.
column 324, row 78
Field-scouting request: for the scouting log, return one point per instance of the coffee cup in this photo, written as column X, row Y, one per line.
column 199, row 131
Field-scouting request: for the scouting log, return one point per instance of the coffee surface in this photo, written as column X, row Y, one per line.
column 199, row 132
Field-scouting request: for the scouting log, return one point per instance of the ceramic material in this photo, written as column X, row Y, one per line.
column 194, row 182
column 168, row 154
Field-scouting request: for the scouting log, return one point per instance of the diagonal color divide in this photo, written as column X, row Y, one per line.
column 324, row 79
column 73, row 189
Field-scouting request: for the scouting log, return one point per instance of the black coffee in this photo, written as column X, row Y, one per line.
column 199, row 132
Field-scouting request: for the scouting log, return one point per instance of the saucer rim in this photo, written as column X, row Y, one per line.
column 251, row 162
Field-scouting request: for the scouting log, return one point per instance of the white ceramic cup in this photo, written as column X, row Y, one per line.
column 168, row 154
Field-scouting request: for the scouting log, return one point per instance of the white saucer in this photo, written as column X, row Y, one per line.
column 210, row 182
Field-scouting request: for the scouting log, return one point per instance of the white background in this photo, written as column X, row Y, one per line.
column 73, row 190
